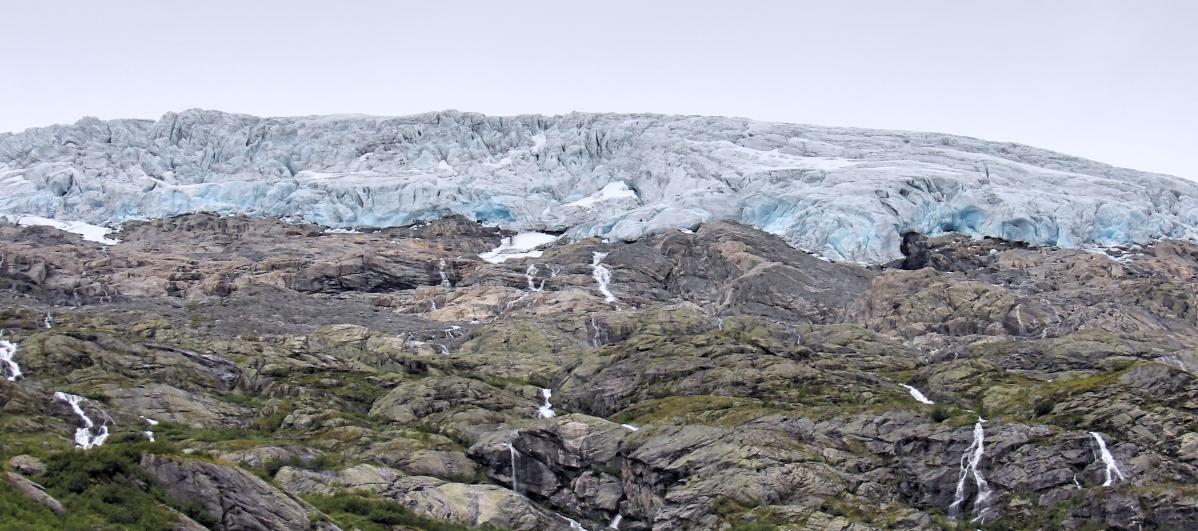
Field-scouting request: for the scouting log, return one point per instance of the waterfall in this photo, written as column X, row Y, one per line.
column 149, row 434
column 546, row 409
column 970, row 461
column 630, row 427
column 595, row 338
column 574, row 525
column 8, row 351
column 444, row 276
column 84, row 438
column 530, row 275
column 47, row 321
column 1108, row 461
column 602, row 275
column 514, row 454
column 919, row 396
column 615, row 521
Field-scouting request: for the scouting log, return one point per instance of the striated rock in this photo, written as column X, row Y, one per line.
column 230, row 496
column 34, row 491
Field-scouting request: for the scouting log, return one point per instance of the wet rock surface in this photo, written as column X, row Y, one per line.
column 294, row 378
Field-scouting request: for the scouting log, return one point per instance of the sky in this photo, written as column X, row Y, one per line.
column 1114, row 81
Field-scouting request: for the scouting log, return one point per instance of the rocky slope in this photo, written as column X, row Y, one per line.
column 292, row 378
column 848, row 194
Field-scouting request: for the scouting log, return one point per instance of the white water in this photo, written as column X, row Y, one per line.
column 970, row 461
column 595, row 338
column 546, row 409
column 8, row 352
column 149, row 434
column 84, row 438
column 602, row 275
column 47, row 321
column 918, row 395
column 530, row 275
column 444, row 276
column 514, row 454
column 1108, row 461
column 574, row 524
column 630, row 427
column 615, row 521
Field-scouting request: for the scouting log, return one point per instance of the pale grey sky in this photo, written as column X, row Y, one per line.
column 1109, row 80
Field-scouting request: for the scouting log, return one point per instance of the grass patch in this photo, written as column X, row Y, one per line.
column 368, row 513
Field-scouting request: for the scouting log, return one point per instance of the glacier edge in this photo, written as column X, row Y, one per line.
column 845, row 193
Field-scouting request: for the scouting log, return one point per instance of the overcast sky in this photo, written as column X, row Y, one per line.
column 1113, row 81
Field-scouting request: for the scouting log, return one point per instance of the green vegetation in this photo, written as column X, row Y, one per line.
column 101, row 489
column 359, row 511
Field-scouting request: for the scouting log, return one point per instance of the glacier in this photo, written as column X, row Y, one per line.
column 844, row 193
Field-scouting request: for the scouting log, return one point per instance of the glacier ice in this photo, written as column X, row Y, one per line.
column 845, row 193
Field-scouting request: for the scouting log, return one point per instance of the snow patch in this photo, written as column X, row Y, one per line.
column 91, row 233
column 522, row 245
column 612, row 191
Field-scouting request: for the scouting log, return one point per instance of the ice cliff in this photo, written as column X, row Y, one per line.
column 845, row 193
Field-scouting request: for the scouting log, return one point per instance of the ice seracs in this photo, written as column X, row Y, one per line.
column 844, row 193
column 89, row 435
column 1110, row 467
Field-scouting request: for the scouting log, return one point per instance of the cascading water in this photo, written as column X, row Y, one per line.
column 630, row 427
column 918, row 395
column 1108, row 461
column 48, row 322
column 602, row 275
column 530, row 275
column 444, row 276
column 8, row 353
column 970, row 461
column 149, row 433
column 615, row 521
column 84, row 436
column 514, row 454
column 595, row 327
column 546, row 409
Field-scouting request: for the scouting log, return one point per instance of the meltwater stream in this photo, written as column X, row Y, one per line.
column 918, row 395
column 602, row 275
column 970, row 460
column 1108, row 461
column 84, row 436
column 545, row 411
column 8, row 353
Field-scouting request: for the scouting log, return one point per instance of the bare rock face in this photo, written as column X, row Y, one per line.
column 230, row 496
column 707, row 378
